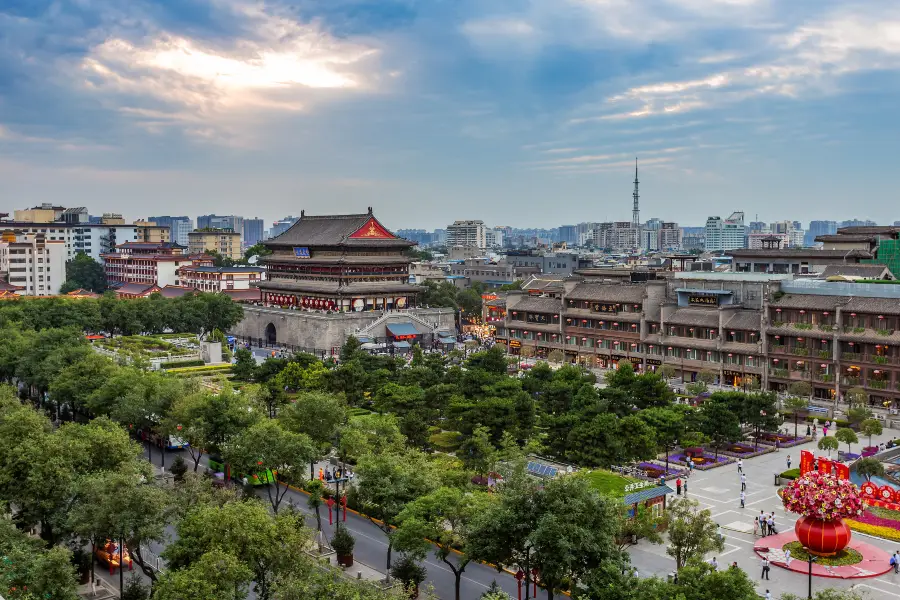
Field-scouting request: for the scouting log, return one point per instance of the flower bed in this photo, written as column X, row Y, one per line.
column 784, row 441
column 704, row 462
column 655, row 470
column 870, row 451
column 742, row 450
column 847, row 556
column 874, row 525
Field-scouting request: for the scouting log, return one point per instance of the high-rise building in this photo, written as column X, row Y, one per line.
column 618, row 236
column 758, row 227
column 223, row 241
column 467, row 234
column 817, row 228
column 858, row 223
column 35, row 265
column 795, row 235
column 669, row 236
column 725, row 234
column 221, row 222
column 493, row 238
column 282, row 225
column 568, row 234
column 254, row 231
column 179, row 227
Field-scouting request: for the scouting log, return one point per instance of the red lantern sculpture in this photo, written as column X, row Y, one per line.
column 823, row 500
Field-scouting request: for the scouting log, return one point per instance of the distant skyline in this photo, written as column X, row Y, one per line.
column 516, row 112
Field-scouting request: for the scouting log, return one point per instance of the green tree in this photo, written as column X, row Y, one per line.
column 719, row 423
column 828, row 443
column 318, row 415
column 244, row 366
column 83, row 272
column 692, row 532
column 444, row 516
column 869, row 467
column 267, row 445
column 29, row 571
column 706, row 376
column 829, row 594
column 386, row 483
column 871, row 427
column 796, row 404
column 668, row 425
column 477, row 452
column 217, row 575
column 847, row 436
column 640, row 524
column 259, row 250
column 75, row 384
column 375, row 434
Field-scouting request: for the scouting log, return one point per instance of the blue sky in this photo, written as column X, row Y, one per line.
column 518, row 112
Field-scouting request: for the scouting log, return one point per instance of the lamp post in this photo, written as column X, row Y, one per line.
column 812, row 559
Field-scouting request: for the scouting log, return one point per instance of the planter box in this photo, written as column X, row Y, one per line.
column 345, row 560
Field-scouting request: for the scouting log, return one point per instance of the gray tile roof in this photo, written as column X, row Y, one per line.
column 799, row 253
column 608, row 292
column 332, row 287
column 333, row 230
column 534, row 304
column 810, row 301
column 744, row 319
column 647, row 494
column 876, row 306
column 696, row 317
column 867, row 271
column 544, row 282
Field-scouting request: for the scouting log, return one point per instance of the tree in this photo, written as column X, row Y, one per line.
column 75, row 384
column 477, row 452
column 828, row 443
column 445, row 517
column 847, row 436
column 666, row 371
column 796, row 404
column 83, row 272
column 692, row 532
column 318, row 415
column 706, row 376
column 668, row 425
column 565, row 529
column 719, row 423
column 871, row 427
column 217, row 575
column 858, row 414
column 556, row 356
column 259, row 250
column 30, row 571
column 244, row 366
column 829, row 594
column 640, row 524
column 869, row 467
column 268, row 446
column 375, row 434
column 316, row 490
column 386, row 483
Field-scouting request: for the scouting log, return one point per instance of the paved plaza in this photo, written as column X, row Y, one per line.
column 719, row 491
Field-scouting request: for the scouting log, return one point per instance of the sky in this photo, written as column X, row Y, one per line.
column 527, row 113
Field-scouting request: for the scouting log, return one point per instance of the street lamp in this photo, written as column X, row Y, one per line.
column 812, row 559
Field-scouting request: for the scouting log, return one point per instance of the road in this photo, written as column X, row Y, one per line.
column 370, row 549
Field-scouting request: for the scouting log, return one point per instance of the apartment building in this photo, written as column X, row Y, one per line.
column 467, row 234
column 219, row 279
column 149, row 263
column 32, row 264
column 725, row 234
column 226, row 242
column 254, row 231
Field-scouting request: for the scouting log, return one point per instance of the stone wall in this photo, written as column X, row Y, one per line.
column 320, row 332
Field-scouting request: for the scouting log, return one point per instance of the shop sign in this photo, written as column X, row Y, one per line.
column 489, row 297
column 631, row 487
column 538, row 318
column 301, row 252
column 603, row 307
column 515, row 344
column 732, row 374
column 702, row 300
column 654, row 361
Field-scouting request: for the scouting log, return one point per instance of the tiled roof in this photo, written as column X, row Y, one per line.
column 647, row 494
column 810, row 301
column 332, row 287
column 544, row 282
column 333, row 230
column 697, row 317
column 797, row 253
column 889, row 306
column 244, row 295
column 744, row 319
column 533, row 304
column 867, row 271
column 174, row 291
column 609, row 292
column 496, row 302
column 872, row 230
column 134, row 288
column 846, row 238
column 200, row 269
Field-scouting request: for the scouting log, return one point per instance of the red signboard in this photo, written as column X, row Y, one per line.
column 807, row 464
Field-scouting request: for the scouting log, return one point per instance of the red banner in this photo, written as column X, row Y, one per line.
column 806, row 462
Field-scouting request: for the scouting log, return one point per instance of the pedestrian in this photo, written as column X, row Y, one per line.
column 743, row 482
column 893, row 562
column 787, row 558
column 734, row 565
column 740, row 465
column 690, row 466
column 719, row 532
column 770, row 523
column 825, row 429
column 714, row 563
column 685, row 487
column 678, row 486
column 762, row 524
column 743, row 498
column 768, row 595
column 808, row 431
column 755, row 526
column 765, row 569
column 788, row 462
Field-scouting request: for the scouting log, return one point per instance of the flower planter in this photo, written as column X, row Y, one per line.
column 822, row 538
column 345, row 560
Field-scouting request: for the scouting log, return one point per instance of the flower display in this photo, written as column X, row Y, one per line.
column 823, row 497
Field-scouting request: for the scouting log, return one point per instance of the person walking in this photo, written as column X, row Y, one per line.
column 743, row 498
column 765, row 569
column 787, row 558
column 685, row 487
column 893, row 562
column 755, row 526
column 762, row 524
column 740, row 465
column 768, row 595
column 743, row 482
column 770, row 523
column 678, row 486
column 714, row 563
column 788, row 460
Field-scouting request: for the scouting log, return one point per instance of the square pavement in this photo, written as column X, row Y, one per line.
column 719, row 491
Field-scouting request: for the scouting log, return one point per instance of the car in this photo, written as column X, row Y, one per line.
column 108, row 554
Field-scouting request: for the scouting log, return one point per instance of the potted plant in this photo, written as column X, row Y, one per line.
column 343, row 544
column 82, row 560
column 410, row 573
column 823, row 501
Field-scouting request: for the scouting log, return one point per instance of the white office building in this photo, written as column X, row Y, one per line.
column 33, row 263
column 467, row 234
column 725, row 234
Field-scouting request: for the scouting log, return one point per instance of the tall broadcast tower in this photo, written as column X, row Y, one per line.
column 636, row 211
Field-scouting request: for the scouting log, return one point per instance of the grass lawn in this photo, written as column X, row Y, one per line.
column 847, row 556
column 609, row 483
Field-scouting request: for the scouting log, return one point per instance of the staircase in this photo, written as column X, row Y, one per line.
column 388, row 317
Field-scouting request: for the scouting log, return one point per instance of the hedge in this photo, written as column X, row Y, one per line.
column 790, row 474
column 201, row 370
column 175, row 364
column 446, row 441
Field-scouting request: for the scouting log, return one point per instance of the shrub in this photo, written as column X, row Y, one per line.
column 174, row 364
column 188, row 371
column 791, row 474
column 446, row 441
column 342, row 542
column 135, row 589
column 178, row 469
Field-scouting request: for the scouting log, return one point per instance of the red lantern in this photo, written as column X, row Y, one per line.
column 824, row 538
column 178, row 427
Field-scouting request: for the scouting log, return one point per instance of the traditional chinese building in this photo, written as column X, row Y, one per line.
column 343, row 263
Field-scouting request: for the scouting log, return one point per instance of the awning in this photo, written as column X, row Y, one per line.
column 406, row 328
column 401, row 345
column 363, row 339
column 447, row 340
column 647, row 494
